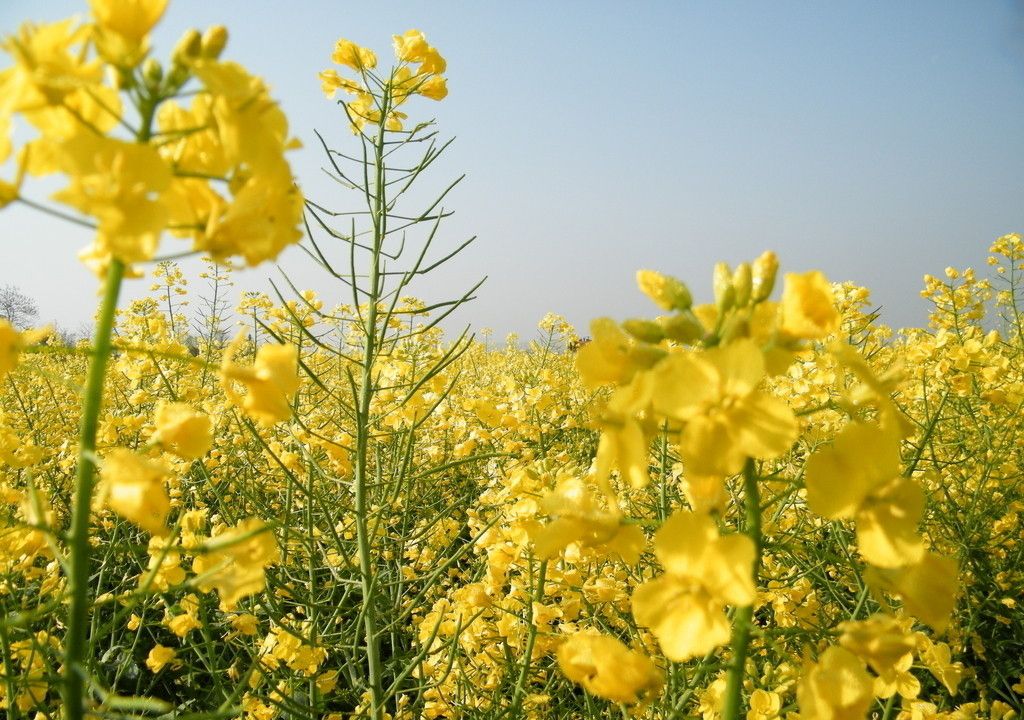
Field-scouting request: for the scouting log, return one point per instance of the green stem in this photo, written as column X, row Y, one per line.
column 531, row 639
column 743, row 620
column 363, row 430
column 76, row 643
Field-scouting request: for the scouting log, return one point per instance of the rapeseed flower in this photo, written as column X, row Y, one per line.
column 727, row 418
column 133, row 487
column 271, row 382
column 182, row 430
column 609, row 669
column 858, row 477
column 704, row 572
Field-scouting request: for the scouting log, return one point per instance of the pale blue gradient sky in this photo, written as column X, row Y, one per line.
column 876, row 141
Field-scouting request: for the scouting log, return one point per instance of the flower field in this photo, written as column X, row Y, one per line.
column 763, row 504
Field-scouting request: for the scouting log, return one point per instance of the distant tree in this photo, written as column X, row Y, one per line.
column 16, row 307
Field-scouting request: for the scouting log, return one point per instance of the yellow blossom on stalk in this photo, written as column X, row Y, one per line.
column 123, row 26
column 881, row 640
column 133, row 487
column 606, row 358
column 577, row 518
column 607, row 668
column 234, row 561
column 704, row 572
column 271, row 382
column 836, row 688
column 259, row 222
column 119, row 184
column 938, row 659
column 48, row 65
column 349, row 54
column 928, row 588
column 331, row 82
column 858, row 477
column 764, row 705
column 808, row 307
column 727, row 419
column 159, row 657
column 411, row 46
column 182, row 430
column 434, row 88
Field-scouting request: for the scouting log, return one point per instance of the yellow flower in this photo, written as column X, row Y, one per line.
column 577, row 518
column 704, row 572
column 836, row 688
column 259, row 223
column 881, row 640
column 331, row 82
column 928, row 588
column 158, row 658
column 122, row 28
column 411, row 46
column 48, row 66
column 858, row 477
column 434, row 88
column 808, row 307
column 351, row 55
column 182, row 430
column 764, row 705
column 11, row 343
column 607, row 668
column 118, row 183
column 727, row 418
column 234, row 562
column 937, row 658
column 271, row 382
column 133, row 487
column 606, row 358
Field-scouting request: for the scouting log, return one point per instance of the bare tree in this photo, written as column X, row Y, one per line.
column 16, row 307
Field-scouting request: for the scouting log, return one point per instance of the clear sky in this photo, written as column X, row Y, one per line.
column 877, row 141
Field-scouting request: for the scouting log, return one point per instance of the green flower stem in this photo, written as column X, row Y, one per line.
column 77, row 642
column 743, row 619
column 364, row 428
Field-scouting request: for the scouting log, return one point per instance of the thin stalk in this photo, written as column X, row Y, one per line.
column 363, row 429
column 76, row 644
column 743, row 619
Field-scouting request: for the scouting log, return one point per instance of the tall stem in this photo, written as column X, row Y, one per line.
column 366, row 392
column 743, row 620
column 76, row 642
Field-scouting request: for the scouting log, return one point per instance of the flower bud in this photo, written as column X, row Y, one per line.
column 188, row 47
column 763, row 276
column 644, row 330
column 214, row 40
column 666, row 291
column 683, row 328
column 741, row 280
column 725, row 293
column 152, row 71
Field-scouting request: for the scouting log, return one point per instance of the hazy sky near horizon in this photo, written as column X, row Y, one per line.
column 875, row 141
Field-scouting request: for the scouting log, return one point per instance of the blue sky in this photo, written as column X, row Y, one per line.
column 876, row 141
